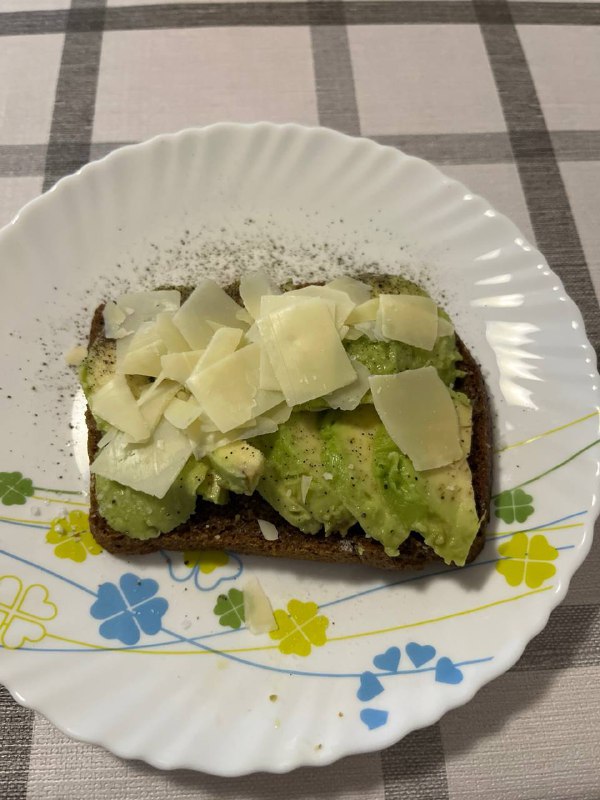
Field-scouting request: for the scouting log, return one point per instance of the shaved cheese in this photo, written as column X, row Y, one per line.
column 267, row 379
column 205, row 441
column 181, row 413
column 207, row 302
column 108, row 437
column 417, row 411
column 179, row 366
column 244, row 316
column 154, row 400
column 348, row 398
column 252, row 335
column 265, row 401
column 223, row 343
column 305, row 482
column 371, row 330
column 260, row 427
column 214, row 326
column 114, row 316
column 253, row 286
column 352, row 334
column 408, row 318
column 226, row 390
column 140, row 307
column 258, row 613
column 166, row 330
column 115, row 404
column 268, row 530
column 270, row 304
column 356, row 290
column 365, row 312
column 280, row 414
column 341, row 301
column 143, row 361
column 150, row 467
column 140, row 354
column 306, row 352
column 445, row 327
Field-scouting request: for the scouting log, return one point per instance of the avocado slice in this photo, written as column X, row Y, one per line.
column 349, row 455
column 239, row 465
column 379, row 484
column 293, row 452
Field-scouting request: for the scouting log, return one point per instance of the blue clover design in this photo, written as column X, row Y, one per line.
column 129, row 608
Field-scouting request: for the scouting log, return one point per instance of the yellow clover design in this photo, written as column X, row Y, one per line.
column 527, row 559
column 207, row 561
column 300, row 628
column 72, row 537
column 23, row 612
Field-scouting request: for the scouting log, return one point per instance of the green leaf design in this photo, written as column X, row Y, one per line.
column 230, row 609
column 514, row 505
column 14, row 488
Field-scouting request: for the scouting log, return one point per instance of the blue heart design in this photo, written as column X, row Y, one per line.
column 388, row 661
column 373, row 717
column 419, row 654
column 137, row 590
column 446, row 672
column 121, row 627
column 110, row 601
column 370, row 687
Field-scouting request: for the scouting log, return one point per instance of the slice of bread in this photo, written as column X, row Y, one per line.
column 235, row 526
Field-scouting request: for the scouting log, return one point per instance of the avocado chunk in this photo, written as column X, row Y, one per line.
column 213, row 490
column 143, row 516
column 293, row 452
column 389, row 498
column 239, row 465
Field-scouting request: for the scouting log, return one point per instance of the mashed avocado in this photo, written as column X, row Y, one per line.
column 386, row 358
column 322, row 469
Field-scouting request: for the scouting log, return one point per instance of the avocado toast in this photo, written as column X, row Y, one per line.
column 317, row 474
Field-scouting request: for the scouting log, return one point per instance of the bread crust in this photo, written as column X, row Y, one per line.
column 234, row 526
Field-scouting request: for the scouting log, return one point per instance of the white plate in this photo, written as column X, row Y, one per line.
column 380, row 653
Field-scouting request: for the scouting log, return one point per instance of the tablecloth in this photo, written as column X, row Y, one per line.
column 502, row 95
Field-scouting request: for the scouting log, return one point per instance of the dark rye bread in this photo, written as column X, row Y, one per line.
column 234, row 526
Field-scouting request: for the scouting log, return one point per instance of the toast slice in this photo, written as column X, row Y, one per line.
column 235, row 527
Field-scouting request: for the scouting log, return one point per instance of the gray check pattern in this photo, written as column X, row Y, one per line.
column 504, row 95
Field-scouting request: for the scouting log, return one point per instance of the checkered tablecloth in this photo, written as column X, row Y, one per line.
column 504, row 96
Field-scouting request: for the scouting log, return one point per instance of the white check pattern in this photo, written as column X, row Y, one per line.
column 505, row 96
